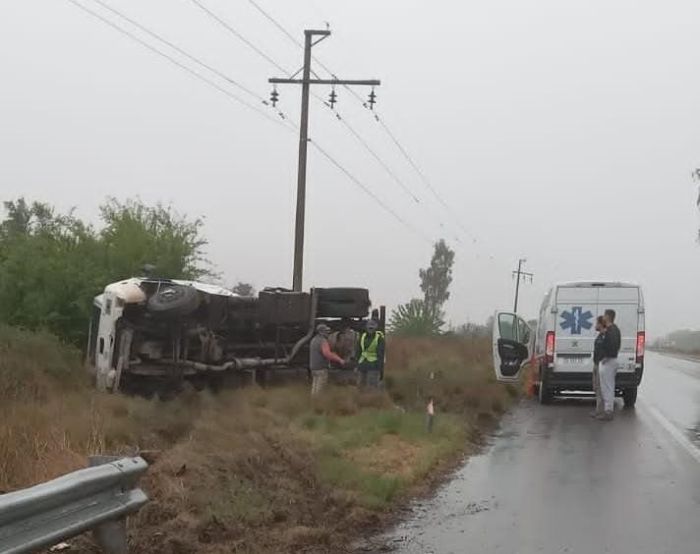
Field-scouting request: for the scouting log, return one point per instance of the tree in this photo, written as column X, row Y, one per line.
column 136, row 235
column 52, row 264
column 435, row 280
column 244, row 289
column 424, row 317
column 415, row 319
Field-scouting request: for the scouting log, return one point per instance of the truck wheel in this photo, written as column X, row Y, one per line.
column 343, row 302
column 544, row 394
column 630, row 397
column 174, row 300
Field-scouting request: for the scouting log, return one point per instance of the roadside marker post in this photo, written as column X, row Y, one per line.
column 430, row 411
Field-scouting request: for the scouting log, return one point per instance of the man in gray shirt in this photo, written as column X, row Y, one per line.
column 320, row 355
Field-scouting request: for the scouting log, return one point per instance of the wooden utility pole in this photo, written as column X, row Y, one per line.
column 519, row 274
column 306, row 81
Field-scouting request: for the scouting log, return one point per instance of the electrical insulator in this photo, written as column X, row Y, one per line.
column 372, row 99
column 333, row 98
column 274, row 97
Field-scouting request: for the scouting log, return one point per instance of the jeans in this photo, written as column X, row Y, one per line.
column 608, row 371
column 370, row 378
column 596, row 389
column 319, row 379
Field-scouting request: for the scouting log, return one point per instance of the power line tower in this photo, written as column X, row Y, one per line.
column 519, row 274
column 306, row 81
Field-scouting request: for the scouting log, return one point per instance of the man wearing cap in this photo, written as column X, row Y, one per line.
column 371, row 361
column 320, row 355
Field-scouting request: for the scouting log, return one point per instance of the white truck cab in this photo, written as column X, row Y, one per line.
column 562, row 347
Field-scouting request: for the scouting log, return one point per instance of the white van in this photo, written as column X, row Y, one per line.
column 562, row 349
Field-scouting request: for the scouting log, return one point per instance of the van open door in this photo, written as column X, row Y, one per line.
column 511, row 346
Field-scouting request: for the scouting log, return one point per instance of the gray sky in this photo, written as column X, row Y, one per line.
column 560, row 131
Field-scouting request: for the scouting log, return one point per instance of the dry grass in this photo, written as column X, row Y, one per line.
column 249, row 470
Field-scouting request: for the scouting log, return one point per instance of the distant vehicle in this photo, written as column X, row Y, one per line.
column 166, row 331
column 562, row 348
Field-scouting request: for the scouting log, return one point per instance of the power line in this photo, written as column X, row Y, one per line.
column 368, row 191
column 376, row 156
column 238, row 35
column 384, row 126
column 179, row 64
column 231, row 95
column 291, row 37
column 277, row 24
column 180, row 50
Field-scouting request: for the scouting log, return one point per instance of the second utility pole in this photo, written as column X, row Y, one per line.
column 306, row 82
column 518, row 274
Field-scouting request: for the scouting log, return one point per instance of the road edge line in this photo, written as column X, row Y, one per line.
column 672, row 430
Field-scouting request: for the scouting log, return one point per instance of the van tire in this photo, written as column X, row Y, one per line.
column 545, row 395
column 629, row 396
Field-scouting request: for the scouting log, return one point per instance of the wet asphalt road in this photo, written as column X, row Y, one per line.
column 556, row 481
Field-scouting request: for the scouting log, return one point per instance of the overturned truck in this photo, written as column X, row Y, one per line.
column 163, row 331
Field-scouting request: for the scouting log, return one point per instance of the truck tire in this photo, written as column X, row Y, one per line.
column 343, row 302
column 174, row 301
column 545, row 395
column 630, row 397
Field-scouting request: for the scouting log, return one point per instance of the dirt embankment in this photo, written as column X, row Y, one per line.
column 252, row 470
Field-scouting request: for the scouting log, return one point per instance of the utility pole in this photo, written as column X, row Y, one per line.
column 520, row 274
column 306, row 81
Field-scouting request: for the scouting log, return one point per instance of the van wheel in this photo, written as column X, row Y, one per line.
column 544, row 394
column 630, row 397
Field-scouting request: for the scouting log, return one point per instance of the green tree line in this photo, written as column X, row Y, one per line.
column 52, row 264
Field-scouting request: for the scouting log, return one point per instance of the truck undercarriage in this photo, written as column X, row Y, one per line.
column 169, row 331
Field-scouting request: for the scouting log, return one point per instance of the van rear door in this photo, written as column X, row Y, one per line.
column 577, row 309
column 626, row 302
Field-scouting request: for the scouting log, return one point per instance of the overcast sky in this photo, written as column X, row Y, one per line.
column 564, row 132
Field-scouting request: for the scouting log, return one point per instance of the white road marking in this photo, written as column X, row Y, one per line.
column 672, row 430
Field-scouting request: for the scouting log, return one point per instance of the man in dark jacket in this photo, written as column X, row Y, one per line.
column 608, row 364
column 597, row 357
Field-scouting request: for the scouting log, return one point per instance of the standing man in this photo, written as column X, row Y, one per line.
column 344, row 342
column 320, row 355
column 608, row 364
column 371, row 361
column 597, row 356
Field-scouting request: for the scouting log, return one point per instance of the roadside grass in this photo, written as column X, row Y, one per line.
column 250, row 470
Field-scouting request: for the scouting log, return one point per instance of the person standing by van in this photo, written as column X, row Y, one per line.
column 597, row 357
column 608, row 364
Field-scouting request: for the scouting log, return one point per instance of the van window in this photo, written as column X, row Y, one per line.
column 507, row 326
column 523, row 331
column 618, row 295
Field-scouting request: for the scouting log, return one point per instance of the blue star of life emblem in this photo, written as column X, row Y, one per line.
column 576, row 320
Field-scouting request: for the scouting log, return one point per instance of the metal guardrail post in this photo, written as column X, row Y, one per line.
column 97, row 498
column 111, row 536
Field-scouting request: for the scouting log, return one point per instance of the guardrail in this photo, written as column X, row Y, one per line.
column 97, row 498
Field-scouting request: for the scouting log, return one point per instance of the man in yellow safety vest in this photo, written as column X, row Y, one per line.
column 371, row 360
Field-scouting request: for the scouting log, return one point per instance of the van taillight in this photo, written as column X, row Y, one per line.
column 641, row 339
column 549, row 348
